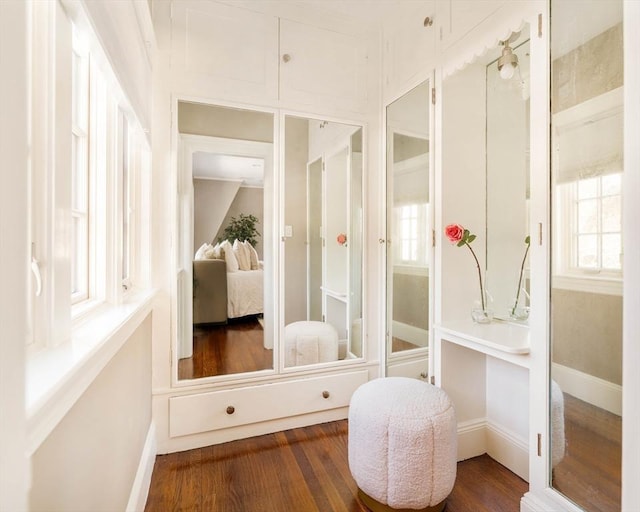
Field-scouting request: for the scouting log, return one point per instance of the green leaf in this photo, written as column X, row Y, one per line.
column 471, row 238
column 465, row 234
column 527, row 240
column 461, row 243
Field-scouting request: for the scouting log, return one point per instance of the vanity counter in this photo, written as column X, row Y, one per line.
column 503, row 340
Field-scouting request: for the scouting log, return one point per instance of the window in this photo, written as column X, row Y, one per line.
column 88, row 154
column 79, row 173
column 412, row 228
column 591, row 239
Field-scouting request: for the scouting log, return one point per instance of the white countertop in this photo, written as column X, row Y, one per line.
column 498, row 335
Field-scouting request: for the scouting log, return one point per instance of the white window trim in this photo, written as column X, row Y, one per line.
column 574, row 278
column 67, row 355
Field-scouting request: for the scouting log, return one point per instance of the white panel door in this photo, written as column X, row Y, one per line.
column 322, row 67
column 218, row 50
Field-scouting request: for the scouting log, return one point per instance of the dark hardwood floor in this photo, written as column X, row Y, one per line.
column 225, row 349
column 399, row 345
column 302, row 470
column 590, row 472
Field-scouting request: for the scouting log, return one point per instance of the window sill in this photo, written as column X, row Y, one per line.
column 56, row 377
column 588, row 284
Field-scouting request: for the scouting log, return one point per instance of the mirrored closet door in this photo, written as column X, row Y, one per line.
column 587, row 249
column 409, row 232
column 225, row 248
column 322, row 242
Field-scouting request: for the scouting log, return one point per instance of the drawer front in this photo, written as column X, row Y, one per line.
column 417, row 369
column 229, row 408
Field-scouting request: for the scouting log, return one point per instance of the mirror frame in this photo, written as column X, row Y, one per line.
column 174, row 189
column 276, row 251
column 399, row 357
column 283, row 114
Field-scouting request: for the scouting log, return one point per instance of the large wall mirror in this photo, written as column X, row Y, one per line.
column 409, row 228
column 587, row 247
column 322, row 241
column 507, row 161
column 225, row 246
column 486, row 177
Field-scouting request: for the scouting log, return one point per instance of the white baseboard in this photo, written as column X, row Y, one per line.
column 406, row 332
column 480, row 436
column 142, row 481
column 588, row 388
column 546, row 500
column 472, row 438
column 508, row 449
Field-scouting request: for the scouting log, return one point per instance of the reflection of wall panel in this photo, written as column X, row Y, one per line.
column 411, row 300
column 295, row 209
column 336, row 174
column 587, row 333
column 588, row 71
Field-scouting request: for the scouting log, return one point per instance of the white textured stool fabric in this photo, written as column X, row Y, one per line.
column 403, row 442
column 557, row 424
column 309, row 342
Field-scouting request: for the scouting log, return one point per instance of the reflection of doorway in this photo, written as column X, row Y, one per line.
column 314, row 232
column 221, row 178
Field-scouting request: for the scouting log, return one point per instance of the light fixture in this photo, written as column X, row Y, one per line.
column 508, row 62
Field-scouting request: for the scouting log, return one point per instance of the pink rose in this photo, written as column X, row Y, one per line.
column 454, row 232
column 342, row 239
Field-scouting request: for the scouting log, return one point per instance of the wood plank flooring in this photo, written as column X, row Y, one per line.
column 302, row 470
column 225, row 349
column 590, row 472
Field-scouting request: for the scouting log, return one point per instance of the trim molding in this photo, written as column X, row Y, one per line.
column 593, row 390
column 479, row 436
column 142, row 481
column 415, row 335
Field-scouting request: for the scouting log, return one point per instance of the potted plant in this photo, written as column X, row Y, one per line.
column 241, row 228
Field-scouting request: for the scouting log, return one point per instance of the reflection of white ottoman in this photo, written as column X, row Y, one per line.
column 557, row 424
column 310, row 342
column 402, row 444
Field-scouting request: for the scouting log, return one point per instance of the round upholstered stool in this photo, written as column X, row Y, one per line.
column 309, row 342
column 402, row 444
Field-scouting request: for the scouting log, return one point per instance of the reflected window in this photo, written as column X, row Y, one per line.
column 591, row 228
column 412, row 246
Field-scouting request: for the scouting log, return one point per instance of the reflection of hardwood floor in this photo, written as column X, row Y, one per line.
column 224, row 349
column 398, row 345
column 590, row 472
column 304, row 470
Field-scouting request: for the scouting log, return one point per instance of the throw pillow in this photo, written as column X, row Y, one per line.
column 253, row 256
column 242, row 255
column 200, row 252
column 229, row 256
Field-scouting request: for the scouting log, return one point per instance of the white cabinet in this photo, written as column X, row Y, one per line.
column 457, row 17
column 218, row 50
column 409, row 47
column 318, row 65
column 222, row 51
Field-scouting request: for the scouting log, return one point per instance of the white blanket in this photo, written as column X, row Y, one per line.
column 245, row 293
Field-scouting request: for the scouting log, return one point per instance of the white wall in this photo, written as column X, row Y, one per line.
column 90, row 459
column 13, row 253
column 211, row 201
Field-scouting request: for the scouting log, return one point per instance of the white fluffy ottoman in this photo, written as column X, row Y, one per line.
column 402, row 444
column 309, row 342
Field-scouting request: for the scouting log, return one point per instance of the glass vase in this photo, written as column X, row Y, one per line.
column 480, row 314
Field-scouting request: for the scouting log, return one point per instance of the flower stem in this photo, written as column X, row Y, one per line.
column 479, row 276
column 513, row 311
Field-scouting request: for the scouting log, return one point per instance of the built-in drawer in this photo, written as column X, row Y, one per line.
column 216, row 410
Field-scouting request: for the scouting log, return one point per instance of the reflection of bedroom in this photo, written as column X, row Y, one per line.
column 228, row 161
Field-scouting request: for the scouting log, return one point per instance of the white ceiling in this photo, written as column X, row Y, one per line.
column 212, row 166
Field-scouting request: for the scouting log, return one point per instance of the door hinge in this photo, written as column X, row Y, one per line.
column 539, row 233
column 539, row 25
column 433, row 380
column 433, row 238
column 539, row 445
column 433, row 96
